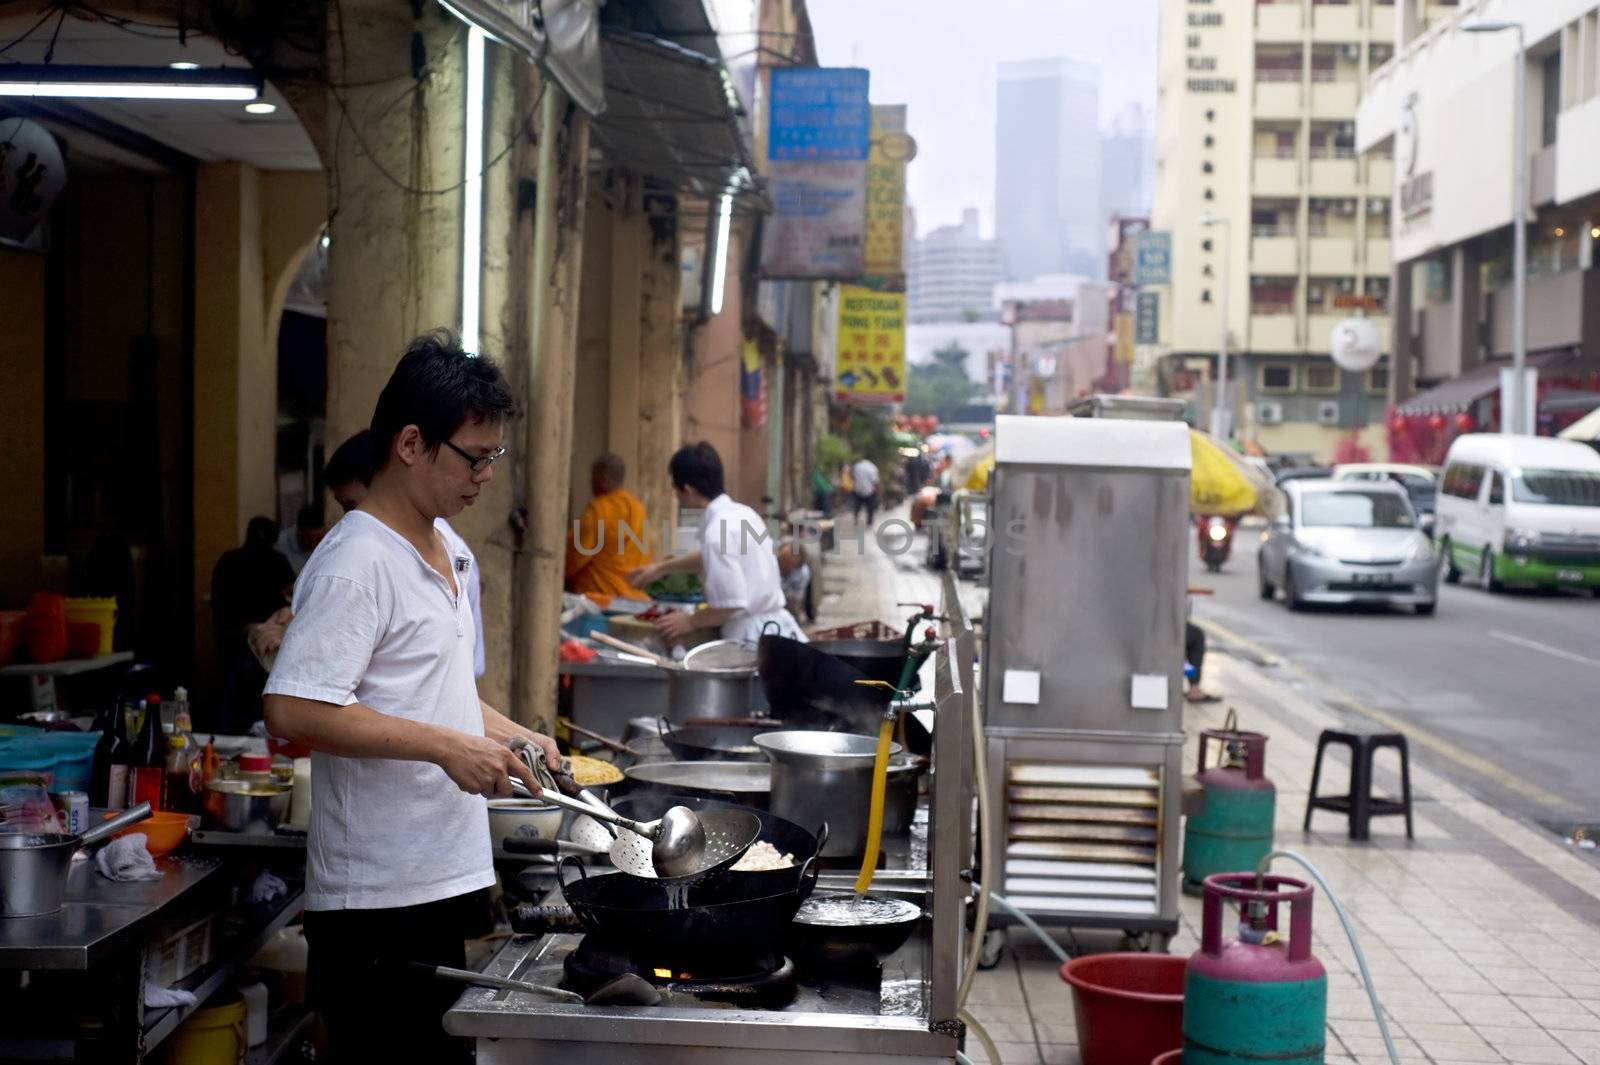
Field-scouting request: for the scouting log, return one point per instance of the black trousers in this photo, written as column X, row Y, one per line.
column 1194, row 649
column 374, row 1007
column 869, row 502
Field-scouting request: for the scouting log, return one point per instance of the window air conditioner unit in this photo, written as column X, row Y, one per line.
column 1347, row 207
column 1269, row 413
column 1328, row 412
column 1351, row 51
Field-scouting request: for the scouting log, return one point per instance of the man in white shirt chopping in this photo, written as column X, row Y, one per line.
column 736, row 561
column 375, row 675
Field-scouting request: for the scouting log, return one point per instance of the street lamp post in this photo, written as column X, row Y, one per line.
column 1513, row 421
column 1220, row 429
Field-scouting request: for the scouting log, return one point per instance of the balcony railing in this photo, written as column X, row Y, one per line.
column 1335, row 151
column 1277, row 74
column 1274, row 230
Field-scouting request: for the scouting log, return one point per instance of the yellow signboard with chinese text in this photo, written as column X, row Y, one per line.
column 891, row 149
column 871, row 363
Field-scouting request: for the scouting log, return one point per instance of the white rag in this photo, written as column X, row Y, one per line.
column 125, row 858
column 267, row 887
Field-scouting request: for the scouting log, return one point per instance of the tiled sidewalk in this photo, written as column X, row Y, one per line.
column 1482, row 935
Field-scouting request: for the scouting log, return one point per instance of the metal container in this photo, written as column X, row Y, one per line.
column 717, row 694
column 1235, row 830
column 241, row 806
column 33, row 868
column 900, row 795
column 812, row 769
column 1255, row 996
column 745, row 783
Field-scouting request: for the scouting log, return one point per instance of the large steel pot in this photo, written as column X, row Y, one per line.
column 717, row 694
column 245, row 806
column 33, row 868
column 900, row 793
column 743, row 783
column 828, row 770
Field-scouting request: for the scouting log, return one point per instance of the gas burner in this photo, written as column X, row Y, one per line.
column 765, row 980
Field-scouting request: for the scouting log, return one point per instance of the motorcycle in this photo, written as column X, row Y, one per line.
column 1215, row 540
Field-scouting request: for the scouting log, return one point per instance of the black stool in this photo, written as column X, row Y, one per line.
column 1359, row 805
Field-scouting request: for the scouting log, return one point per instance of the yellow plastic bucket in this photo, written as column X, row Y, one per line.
column 102, row 612
column 212, row 1036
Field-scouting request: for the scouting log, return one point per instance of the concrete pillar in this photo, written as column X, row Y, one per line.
column 661, row 379
column 711, row 403
column 628, row 242
column 22, row 428
column 235, row 376
column 1403, row 352
column 394, row 262
column 557, row 271
column 1464, row 307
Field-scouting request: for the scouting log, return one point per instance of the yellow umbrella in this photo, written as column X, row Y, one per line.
column 1222, row 483
column 971, row 472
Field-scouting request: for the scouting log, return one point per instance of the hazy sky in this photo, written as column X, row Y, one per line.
column 940, row 57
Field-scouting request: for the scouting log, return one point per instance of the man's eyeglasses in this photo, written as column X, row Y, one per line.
column 477, row 463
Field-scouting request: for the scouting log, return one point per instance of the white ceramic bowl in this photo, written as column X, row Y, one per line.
column 525, row 818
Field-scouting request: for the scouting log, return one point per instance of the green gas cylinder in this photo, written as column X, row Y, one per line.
column 1235, row 831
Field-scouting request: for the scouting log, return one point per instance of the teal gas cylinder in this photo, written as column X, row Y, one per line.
column 1235, row 831
column 1256, row 996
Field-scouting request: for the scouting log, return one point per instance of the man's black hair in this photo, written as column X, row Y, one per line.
column 697, row 466
column 310, row 517
column 438, row 388
column 354, row 460
column 261, row 532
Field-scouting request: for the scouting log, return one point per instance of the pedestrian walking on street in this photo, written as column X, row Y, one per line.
column 375, row 675
column 864, row 476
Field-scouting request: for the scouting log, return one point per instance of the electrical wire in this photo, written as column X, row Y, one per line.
column 989, row 1049
column 980, row 924
column 29, row 32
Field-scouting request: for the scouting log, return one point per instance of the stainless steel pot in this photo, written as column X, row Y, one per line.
column 831, row 770
column 900, row 794
column 243, row 806
column 717, row 694
column 33, row 868
column 745, row 783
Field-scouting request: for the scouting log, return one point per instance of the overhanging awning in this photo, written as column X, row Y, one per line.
column 672, row 114
column 1457, row 394
column 559, row 35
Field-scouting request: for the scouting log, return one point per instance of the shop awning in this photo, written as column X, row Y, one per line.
column 1457, row 394
column 672, row 114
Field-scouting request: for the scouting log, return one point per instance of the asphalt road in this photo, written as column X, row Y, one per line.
column 1513, row 679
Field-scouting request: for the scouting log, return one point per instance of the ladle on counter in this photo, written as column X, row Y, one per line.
column 626, row 990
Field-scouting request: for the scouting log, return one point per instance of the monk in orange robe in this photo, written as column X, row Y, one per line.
column 610, row 538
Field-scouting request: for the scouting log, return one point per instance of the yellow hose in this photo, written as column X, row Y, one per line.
column 880, row 783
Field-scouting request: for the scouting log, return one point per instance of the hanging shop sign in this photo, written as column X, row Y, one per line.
column 871, row 361
column 892, row 149
column 818, row 141
column 1153, row 263
column 32, row 175
column 1147, row 318
column 752, row 386
column 1124, row 335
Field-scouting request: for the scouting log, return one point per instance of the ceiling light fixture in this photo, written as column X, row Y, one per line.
column 128, row 83
column 183, row 66
column 260, row 107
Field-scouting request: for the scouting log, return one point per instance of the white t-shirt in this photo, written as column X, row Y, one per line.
column 739, row 567
column 865, row 476
column 457, row 548
column 375, row 624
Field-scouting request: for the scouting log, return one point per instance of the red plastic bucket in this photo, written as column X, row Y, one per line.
column 1129, row 1006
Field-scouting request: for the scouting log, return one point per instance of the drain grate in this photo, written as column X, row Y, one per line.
column 1581, row 837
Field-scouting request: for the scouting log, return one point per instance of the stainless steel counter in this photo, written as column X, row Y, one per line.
column 849, row 1021
column 100, row 917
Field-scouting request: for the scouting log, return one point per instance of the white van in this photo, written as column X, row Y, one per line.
column 1520, row 510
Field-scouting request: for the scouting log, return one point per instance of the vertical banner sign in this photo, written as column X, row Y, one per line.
column 1147, row 314
column 1125, row 338
column 871, row 367
column 817, row 146
column 752, row 387
column 892, row 148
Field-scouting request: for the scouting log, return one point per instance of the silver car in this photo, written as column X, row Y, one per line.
column 1348, row 542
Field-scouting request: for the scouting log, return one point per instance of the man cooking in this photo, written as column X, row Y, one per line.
column 736, row 562
column 375, row 676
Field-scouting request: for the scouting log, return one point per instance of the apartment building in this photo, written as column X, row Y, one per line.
column 1444, row 109
column 952, row 273
column 1272, row 213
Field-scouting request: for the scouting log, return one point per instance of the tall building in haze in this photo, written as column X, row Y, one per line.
column 1126, row 164
column 952, row 274
column 1048, row 209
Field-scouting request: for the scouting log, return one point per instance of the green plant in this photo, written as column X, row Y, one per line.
column 941, row 387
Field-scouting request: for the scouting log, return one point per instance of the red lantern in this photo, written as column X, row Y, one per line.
column 1465, row 423
column 1398, row 423
column 1436, row 422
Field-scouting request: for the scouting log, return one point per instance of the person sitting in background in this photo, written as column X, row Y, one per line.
column 348, row 478
column 609, row 539
column 248, row 585
column 1194, row 652
column 296, row 544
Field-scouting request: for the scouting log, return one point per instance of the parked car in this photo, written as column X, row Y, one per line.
column 962, row 537
column 1421, row 483
column 1520, row 510
column 1302, row 473
column 1348, row 542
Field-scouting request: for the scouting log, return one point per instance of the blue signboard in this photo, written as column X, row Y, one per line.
column 819, row 115
column 1154, row 264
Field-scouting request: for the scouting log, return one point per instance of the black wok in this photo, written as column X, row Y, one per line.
column 716, row 743
column 883, row 660
column 820, row 939
column 811, row 689
column 717, row 922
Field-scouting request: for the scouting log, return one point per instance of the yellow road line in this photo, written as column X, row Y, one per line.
column 1438, row 744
